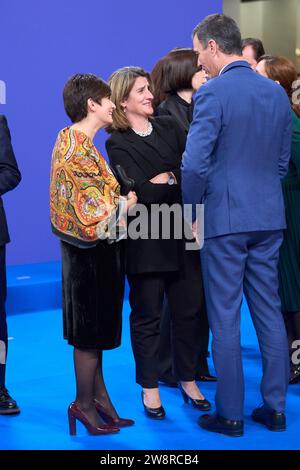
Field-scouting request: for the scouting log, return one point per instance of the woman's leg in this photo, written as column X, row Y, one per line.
column 185, row 296
column 103, row 402
column 100, row 391
column 86, row 363
column 146, row 299
column 202, row 365
column 165, row 347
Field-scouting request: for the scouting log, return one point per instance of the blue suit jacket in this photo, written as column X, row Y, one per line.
column 237, row 151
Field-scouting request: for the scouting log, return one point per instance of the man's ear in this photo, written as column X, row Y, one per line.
column 212, row 46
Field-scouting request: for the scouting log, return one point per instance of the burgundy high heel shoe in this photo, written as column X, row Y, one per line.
column 119, row 422
column 75, row 413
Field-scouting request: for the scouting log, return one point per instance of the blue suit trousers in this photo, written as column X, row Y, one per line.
column 232, row 265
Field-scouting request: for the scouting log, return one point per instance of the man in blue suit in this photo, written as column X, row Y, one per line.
column 237, row 151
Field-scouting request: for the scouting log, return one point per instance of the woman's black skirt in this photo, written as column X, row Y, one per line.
column 93, row 290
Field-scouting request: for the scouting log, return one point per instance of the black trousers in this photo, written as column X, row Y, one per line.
column 3, row 325
column 166, row 347
column 185, row 297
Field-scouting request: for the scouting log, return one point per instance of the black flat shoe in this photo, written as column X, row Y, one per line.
column 202, row 405
column 273, row 420
column 206, row 378
column 220, row 425
column 154, row 413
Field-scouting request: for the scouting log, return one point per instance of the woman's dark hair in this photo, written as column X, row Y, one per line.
column 256, row 45
column 78, row 90
column 173, row 73
column 223, row 30
column 284, row 71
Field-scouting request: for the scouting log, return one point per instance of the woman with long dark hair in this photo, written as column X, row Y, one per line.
column 176, row 77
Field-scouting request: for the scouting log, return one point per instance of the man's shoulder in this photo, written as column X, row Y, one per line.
column 229, row 83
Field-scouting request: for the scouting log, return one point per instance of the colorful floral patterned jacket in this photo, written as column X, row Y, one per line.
column 84, row 194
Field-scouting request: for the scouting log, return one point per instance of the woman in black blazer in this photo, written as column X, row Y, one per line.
column 175, row 79
column 150, row 152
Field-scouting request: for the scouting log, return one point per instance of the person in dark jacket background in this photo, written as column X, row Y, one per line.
column 176, row 77
column 10, row 177
column 252, row 50
column 283, row 71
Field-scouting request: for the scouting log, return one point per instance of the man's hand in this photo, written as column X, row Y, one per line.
column 195, row 231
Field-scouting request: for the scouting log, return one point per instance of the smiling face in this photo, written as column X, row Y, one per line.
column 139, row 101
column 102, row 111
column 207, row 57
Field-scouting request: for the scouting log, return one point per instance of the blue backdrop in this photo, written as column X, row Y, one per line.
column 41, row 45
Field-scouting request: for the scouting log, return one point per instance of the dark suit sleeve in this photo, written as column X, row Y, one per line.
column 10, row 175
column 202, row 137
column 181, row 142
column 147, row 192
column 180, row 139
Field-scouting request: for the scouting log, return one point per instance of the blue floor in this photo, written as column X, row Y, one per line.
column 40, row 376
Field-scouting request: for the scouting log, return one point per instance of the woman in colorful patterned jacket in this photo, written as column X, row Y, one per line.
column 86, row 207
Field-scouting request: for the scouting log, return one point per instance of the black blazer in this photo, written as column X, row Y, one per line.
column 179, row 109
column 141, row 162
column 10, row 175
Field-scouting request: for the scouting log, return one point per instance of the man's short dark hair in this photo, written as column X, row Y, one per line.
column 223, row 30
column 256, row 45
column 78, row 90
